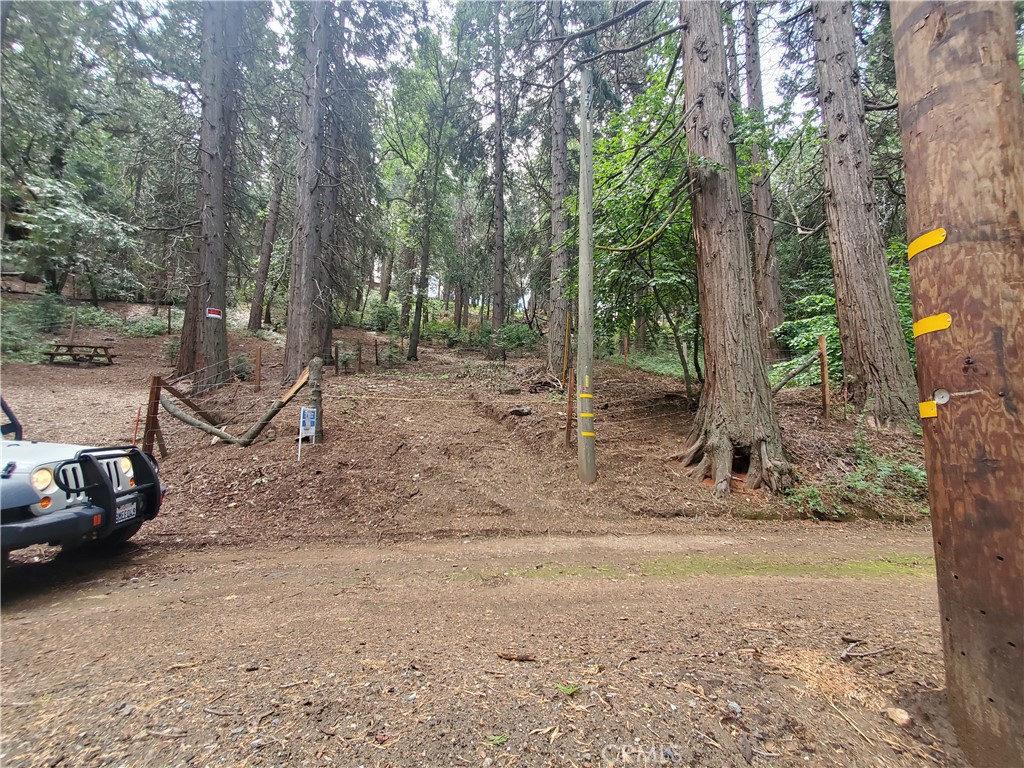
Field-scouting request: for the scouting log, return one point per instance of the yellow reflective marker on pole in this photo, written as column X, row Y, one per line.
column 932, row 323
column 925, row 241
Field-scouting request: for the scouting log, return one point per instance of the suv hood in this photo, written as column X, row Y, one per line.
column 28, row 454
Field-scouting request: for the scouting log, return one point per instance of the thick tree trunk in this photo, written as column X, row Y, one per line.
column 334, row 241
column 766, row 263
column 876, row 361
column 732, row 62
column 498, row 292
column 408, row 273
column 735, row 429
column 303, row 341
column 962, row 124
column 385, row 276
column 204, row 345
column 266, row 251
column 558, row 305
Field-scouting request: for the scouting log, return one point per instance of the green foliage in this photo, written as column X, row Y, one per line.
column 482, row 337
column 381, row 317
column 807, row 500
column 816, row 316
column 878, row 477
column 97, row 317
column 660, row 363
column 569, row 689
column 899, row 276
column 51, row 313
column 443, row 330
column 146, row 327
column 242, row 366
column 69, row 237
column 513, row 336
column 28, row 327
column 498, row 740
column 883, row 482
column 391, row 356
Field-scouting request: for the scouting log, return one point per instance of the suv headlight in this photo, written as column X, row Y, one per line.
column 126, row 466
column 42, row 479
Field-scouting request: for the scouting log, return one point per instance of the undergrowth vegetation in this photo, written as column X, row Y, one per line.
column 31, row 325
column 886, row 481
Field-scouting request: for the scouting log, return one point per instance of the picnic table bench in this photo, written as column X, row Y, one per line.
column 81, row 353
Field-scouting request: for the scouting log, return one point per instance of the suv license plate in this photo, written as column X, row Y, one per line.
column 125, row 511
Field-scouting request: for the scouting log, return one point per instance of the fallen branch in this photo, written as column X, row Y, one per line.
column 516, row 656
column 850, row 654
column 249, row 437
column 795, row 372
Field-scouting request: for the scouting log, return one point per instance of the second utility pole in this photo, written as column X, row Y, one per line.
column 585, row 352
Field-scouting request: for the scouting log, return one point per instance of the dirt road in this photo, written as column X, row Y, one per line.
column 694, row 649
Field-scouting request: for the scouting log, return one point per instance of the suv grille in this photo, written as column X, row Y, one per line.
column 71, row 476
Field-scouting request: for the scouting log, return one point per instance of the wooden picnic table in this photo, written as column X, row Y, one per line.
column 81, row 353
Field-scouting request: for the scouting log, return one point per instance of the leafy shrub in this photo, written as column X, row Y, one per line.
column 482, row 336
column 94, row 317
column 242, row 366
column 146, row 327
column 381, row 317
column 443, row 330
column 391, row 356
column 516, row 336
column 880, row 476
column 808, row 501
column 51, row 312
column 29, row 325
column 801, row 337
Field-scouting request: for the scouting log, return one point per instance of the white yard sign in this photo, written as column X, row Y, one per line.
column 307, row 426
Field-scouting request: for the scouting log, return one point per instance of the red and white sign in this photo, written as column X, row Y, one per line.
column 216, row 314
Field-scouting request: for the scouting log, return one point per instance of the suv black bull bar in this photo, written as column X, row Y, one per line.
column 98, row 486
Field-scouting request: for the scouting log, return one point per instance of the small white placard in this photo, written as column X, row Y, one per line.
column 307, row 426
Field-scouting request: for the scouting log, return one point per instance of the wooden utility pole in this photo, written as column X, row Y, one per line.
column 585, row 352
column 962, row 125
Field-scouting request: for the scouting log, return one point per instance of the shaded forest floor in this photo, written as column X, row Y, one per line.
column 354, row 608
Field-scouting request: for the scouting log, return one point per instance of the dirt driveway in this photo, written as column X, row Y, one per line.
column 435, row 590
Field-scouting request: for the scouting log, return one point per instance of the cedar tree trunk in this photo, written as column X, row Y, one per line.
column 266, row 251
column 735, row 428
column 558, row 309
column 303, row 342
column 876, row 361
column 766, row 263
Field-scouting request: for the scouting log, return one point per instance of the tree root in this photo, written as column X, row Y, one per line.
column 713, row 458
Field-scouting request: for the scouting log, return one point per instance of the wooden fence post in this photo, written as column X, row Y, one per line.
column 316, row 372
column 152, row 415
column 823, row 359
column 359, row 356
column 259, row 367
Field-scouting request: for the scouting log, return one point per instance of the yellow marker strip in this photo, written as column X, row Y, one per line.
column 928, row 409
column 587, row 434
column 586, row 415
column 932, row 323
column 584, row 394
column 925, row 241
